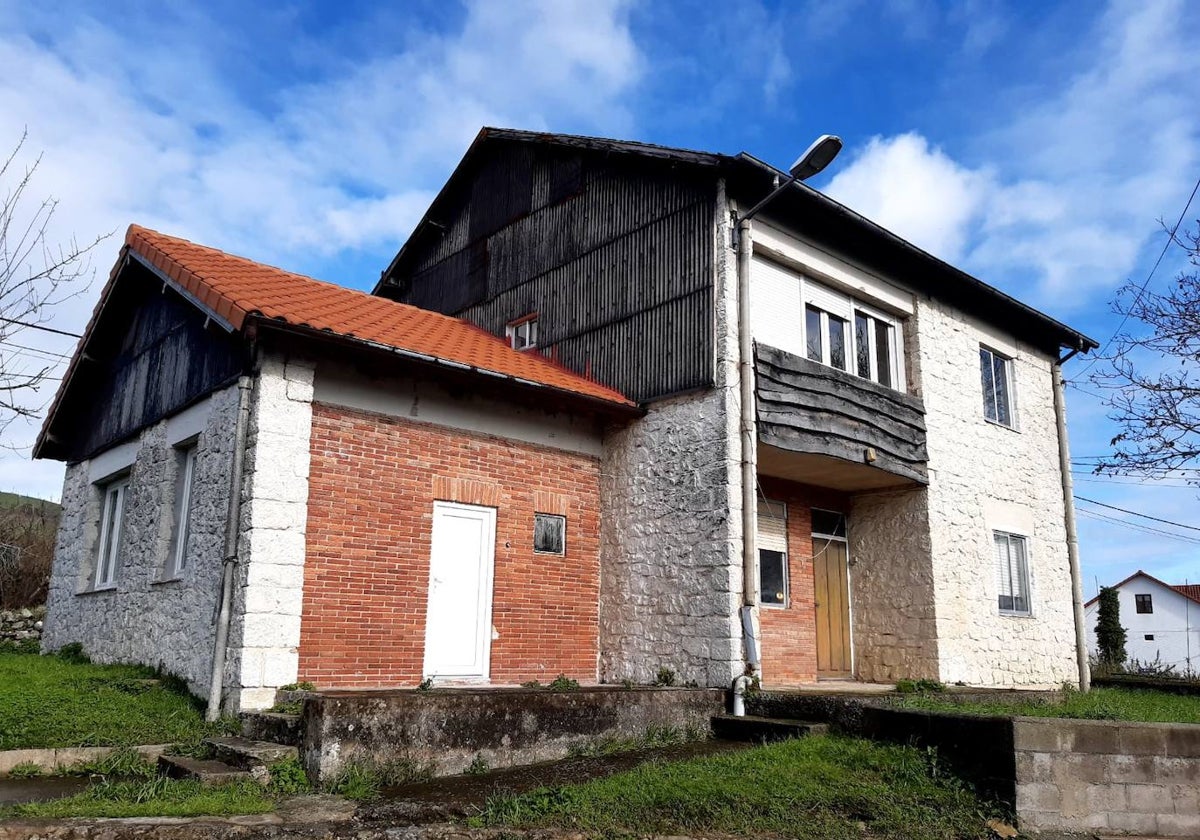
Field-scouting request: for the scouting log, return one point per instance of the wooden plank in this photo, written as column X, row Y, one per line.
column 784, row 437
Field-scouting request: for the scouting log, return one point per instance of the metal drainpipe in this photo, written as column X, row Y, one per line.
column 229, row 566
column 1068, row 490
column 749, row 436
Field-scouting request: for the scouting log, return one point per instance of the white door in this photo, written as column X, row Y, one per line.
column 458, row 624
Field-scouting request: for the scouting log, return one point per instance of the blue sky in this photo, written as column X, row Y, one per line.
column 1035, row 145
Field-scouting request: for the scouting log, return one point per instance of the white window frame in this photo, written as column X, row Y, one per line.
column 1010, row 388
column 112, row 526
column 563, row 523
column 182, row 508
column 874, row 318
column 828, row 302
column 1009, row 539
column 523, row 333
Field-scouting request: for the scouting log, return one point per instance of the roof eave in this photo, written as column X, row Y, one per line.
column 626, row 409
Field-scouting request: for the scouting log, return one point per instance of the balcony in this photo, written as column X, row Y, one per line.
column 828, row 428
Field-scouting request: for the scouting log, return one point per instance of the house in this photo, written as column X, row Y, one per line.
column 1161, row 621
column 526, row 453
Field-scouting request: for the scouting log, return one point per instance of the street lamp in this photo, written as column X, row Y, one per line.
column 815, row 158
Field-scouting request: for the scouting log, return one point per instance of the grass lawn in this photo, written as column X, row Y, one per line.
column 48, row 701
column 819, row 787
column 1098, row 704
column 159, row 797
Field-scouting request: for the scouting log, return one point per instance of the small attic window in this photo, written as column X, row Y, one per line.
column 523, row 333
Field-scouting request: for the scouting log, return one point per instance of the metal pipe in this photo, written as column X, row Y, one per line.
column 1068, row 490
column 229, row 562
column 749, row 450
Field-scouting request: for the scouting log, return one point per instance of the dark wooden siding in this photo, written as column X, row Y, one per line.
column 152, row 355
column 812, row 408
column 615, row 256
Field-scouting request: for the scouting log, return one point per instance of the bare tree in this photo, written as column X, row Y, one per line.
column 35, row 277
column 1152, row 376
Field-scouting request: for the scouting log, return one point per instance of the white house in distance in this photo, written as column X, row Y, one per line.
column 1161, row 621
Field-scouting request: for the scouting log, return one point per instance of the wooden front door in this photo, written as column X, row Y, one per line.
column 832, row 594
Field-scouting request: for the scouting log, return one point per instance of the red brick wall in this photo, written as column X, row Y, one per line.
column 789, row 635
column 372, row 486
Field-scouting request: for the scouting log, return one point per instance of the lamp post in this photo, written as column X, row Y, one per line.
column 819, row 155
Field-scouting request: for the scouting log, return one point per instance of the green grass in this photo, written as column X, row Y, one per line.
column 156, row 797
column 820, row 787
column 46, row 701
column 1098, row 704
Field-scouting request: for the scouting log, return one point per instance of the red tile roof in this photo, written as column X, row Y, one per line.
column 236, row 288
column 1189, row 590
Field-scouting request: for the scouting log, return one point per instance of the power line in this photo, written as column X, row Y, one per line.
column 1135, row 513
column 40, row 327
column 1142, row 290
column 35, row 349
column 1141, row 529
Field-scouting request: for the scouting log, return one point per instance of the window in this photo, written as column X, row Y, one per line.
column 549, row 533
column 826, row 337
column 1143, row 603
column 996, row 374
column 1149, row 637
column 771, row 539
column 185, row 466
column 523, row 333
column 112, row 515
column 875, row 343
column 1012, row 570
column 829, row 523
column 801, row 316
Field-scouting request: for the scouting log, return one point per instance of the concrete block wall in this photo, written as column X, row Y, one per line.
column 1112, row 776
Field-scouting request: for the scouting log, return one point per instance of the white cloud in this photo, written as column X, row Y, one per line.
column 159, row 130
column 1068, row 184
column 914, row 190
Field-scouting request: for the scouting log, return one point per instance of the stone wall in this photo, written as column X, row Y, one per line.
column 1083, row 775
column 892, row 587
column 985, row 477
column 146, row 618
column 21, row 624
column 446, row 729
column 671, row 533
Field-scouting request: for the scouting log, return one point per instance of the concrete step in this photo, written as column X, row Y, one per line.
column 246, row 754
column 273, row 726
column 759, row 729
column 207, row 771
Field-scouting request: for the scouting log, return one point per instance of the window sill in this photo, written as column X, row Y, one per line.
column 161, row 581
column 97, row 590
column 1001, row 425
column 1004, row 614
column 773, row 606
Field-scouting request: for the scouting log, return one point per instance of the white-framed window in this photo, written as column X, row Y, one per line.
column 549, row 533
column 796, row 314
column 112, row 521
column 181, row 511
column 523, row 333
column 996, row 376
column 771, row 539
column 1012, row 573
column 875, row 350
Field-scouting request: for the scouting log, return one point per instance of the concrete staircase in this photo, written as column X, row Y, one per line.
column 234, row 759
column 763, row 729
